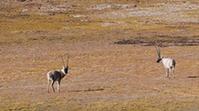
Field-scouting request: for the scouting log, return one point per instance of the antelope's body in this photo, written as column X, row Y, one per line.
column 56, row 75
column 168, row 63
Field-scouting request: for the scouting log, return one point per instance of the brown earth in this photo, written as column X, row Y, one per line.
column 112, row 59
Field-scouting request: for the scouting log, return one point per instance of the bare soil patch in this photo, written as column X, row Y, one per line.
column 163, row 41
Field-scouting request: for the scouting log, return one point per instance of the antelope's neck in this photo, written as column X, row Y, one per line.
column 63, row 71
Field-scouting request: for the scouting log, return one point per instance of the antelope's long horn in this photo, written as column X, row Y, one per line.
column 67, row 60
column 63, row 61
column 158, row 51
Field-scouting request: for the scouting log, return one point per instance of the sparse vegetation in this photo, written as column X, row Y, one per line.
column 104, row 76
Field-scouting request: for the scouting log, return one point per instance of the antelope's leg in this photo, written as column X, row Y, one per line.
column 48, row 85
column 167, row 73
column 52, row 85
column 173, row 72
column 58, row 85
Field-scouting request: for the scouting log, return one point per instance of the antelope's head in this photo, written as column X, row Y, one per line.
column 65, row 66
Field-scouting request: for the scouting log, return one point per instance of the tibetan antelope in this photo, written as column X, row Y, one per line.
column 57, row 75
column 168, row 63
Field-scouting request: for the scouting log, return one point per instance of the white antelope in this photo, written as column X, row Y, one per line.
column 168, row 63
column 57, row 75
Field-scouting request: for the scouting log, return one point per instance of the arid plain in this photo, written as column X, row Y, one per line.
column 112, row 58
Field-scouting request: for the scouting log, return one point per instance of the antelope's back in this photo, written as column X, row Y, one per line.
column 54, row 75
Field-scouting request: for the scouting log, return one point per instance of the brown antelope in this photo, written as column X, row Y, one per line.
column 57, row 75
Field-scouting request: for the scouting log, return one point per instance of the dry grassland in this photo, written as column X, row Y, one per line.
column 104, row 75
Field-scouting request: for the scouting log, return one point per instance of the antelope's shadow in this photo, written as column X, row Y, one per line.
column 87, row 90
column 193, row 76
